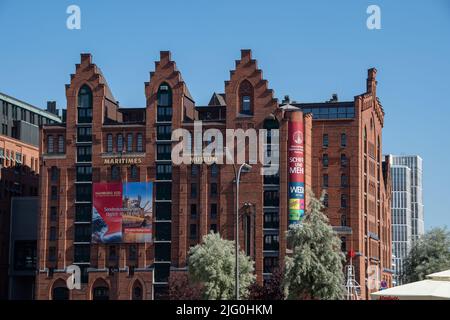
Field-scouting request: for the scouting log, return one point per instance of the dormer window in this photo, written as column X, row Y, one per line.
column 246, row 98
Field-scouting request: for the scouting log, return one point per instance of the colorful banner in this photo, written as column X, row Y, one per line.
column 122, row 213
column 296, row 156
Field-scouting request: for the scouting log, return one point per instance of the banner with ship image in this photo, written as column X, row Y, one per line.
column 122, row 212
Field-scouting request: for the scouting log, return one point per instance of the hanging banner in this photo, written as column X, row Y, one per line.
column 296, row 156
column 122, row 213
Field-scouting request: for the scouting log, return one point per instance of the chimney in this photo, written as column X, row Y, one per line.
column 51, row 107
column 371, row 81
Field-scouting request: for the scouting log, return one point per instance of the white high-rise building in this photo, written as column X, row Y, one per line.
column 407, row 207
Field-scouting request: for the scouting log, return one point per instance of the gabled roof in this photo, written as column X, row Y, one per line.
column 217, row 99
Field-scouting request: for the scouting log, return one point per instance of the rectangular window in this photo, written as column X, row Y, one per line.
column 83, row 233
column 246, row 104
column 25, row 255
column 120, row 143
column 132, row 253
column 140, row 144
column 213, row 189
column 163, row 152
column 109, row 143
column 213, row 228
column 84, row 154
column 52, row 236
column 194, row 170
column 53, row 214
column 163, row 172
column 343, row 160
column 83, row 212
column 271, row 220
column 271, row 242
column 163, row 210
column 52, row 254
column 343, row 140
column 213, row 212
column 325, row 181
column 130, row 143
column 193, row 231
column 193, row 211
column 163, row 231
column 325, row 141
column 162, row 252
column 325, row 160
column 83, row 192
column 84, row 134
column 164, row 132
column 84, row 173
column 82, row 253
column 271, row 198
column 50, row 144
column 54, row 193
column 163, row 190
column 193, row 191
column 60, row 144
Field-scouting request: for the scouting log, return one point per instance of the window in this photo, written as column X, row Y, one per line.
column 164, row 108
column 213, row 228
column 112, row 254
column 163, row 172
column 25, row 255
column 213, row 189
column 193, row 190
column 271, row 220
column 140, row 146
column 193, row 211
column 163, row 190
column 270, row 264
column 120, row 143
column 132, row 252
column 129, row 142
column 214, row 170
column 343, row 220
column 115, row 173
column 32, row 118
column 134, row 172
column 60, row 294
column 343, row 140
column 162, row 252
column 163, row 152
column 50, row 144
column 163, row 231
column 246, row 97
column 325, row 141
column 54, row 174
column 193, row 231
column 53, row 214
column 82, row 233
column 100, row 293
column 84, row 173
column 325, row 160
column 54, row 193
column 85, row 105
column 52, row 254
column 343, row 160
column 163, row 210
column 343, row 244
column 271, row 242
column 109, row 142
column 83, row 212
column 343, row 201
column 213, row 212
column 84, row 134
column 325, row 181
column 84, row 154
column 164, row 132
column 344, row 180
column 325, row 200
column 194, row 170
column 83, row 192
column 271, row 198
column 60, row 144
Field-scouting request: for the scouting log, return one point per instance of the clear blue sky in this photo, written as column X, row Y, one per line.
column 307, row 49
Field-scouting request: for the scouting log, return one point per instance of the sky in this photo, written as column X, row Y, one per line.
column 306, row 49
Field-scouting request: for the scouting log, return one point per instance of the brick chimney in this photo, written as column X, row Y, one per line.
column 371, row 81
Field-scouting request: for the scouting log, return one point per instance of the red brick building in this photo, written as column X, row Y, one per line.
column 190, row 200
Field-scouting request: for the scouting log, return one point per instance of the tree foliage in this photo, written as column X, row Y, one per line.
column 429, row 254
column 315, row 269
column 181, row 288
column 271, row 290
column 212, row 263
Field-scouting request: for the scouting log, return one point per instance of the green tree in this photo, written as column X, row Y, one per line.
column 212, row 263
column 429, row 254
column 315, row 269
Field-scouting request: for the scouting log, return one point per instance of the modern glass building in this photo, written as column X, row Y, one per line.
column 407, row 206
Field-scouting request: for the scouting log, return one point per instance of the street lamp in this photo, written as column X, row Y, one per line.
column 245, row 167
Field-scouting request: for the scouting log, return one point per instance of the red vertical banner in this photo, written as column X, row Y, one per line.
column 296, row 157
column 107, row 212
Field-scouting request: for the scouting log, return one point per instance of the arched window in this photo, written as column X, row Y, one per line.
column 100, row 293
column 246, row 98
column 137, row 293
column 85, row 105
column 164, row 108
column 115, row 173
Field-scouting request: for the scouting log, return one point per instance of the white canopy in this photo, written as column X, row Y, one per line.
column 435, row 287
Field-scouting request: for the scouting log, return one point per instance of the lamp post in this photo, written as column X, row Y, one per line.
column 237, row 176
